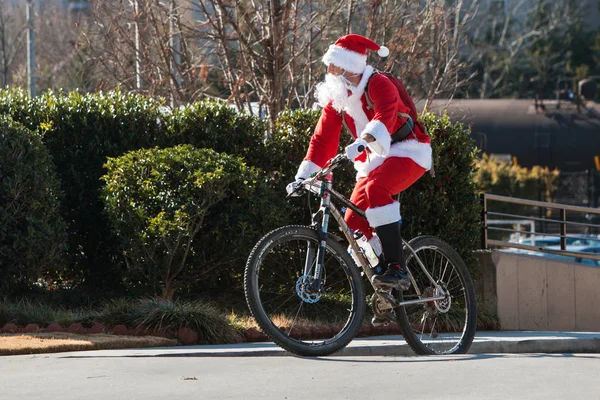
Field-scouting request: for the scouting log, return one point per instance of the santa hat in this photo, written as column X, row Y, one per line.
column 350, row 53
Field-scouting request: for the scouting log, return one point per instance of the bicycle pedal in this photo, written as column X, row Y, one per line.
column 387, row 297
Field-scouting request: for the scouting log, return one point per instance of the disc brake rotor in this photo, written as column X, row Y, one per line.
column 304, row 290
column 442, row 306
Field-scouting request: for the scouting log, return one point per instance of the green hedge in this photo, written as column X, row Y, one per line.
column 213, row 125
column 32, row 233
column 184, row 215
column 82, row 131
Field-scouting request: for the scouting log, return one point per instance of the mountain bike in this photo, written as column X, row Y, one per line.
column 307, row 294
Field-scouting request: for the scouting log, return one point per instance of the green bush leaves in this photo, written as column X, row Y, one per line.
column 32, row 233
column 168, row 202
column 158, row 202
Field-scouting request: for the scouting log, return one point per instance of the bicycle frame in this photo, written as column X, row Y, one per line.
column 327, row 208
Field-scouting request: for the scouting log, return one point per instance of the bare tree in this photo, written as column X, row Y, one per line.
column 266, row 48
column 12, row 41
column 267, row 52
column 425, row 40
column 503, row 40
column 64, row 61
column 148, row 46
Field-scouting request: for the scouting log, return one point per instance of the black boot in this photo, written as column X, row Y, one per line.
column 396, row 275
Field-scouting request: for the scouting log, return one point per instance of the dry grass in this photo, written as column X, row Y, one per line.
column 281, row 320
column 35, row 343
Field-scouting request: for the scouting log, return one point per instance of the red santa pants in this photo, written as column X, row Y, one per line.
column 374, row 194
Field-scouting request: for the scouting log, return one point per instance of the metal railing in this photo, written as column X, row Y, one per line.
column 563, row 223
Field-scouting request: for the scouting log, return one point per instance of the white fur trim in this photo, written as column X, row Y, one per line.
column 306, row 168
column 417, row 151
column 347, row 59
column 378, row 130
column 383, row 215
column 354, row 107
column 383, row 51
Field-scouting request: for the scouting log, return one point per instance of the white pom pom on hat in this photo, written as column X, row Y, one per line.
column 383, row 51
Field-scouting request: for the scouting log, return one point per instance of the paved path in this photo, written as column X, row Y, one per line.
column 113, row 375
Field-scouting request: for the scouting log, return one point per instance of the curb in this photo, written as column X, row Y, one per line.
column 486, row 343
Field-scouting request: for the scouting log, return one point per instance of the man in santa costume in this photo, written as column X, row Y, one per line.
column 392, row 160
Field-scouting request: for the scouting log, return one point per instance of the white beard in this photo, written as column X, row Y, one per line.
column 333, row 89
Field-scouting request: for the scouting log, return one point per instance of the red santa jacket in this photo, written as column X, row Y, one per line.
column 381, row 122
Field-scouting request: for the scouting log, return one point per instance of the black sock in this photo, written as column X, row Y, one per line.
column 391, row 242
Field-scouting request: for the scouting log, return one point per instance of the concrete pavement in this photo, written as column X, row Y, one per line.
column 484, row 343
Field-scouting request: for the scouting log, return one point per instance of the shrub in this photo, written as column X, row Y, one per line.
column 154, row 315
column 25, row 312
column 501, row 178
column 17, row 104
column 80, row 131
column 163, row 315
column 214, row 125
column 32, row 233
column 285, row 150
column 446, row 205
column 498, row 177
column 183, row 214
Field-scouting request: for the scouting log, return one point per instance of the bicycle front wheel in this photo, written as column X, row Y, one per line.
column 301, row 314
column 442, row 326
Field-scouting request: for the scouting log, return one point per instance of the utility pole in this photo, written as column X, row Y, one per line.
column 30, row 49
column 175, row 49
column 138, row 45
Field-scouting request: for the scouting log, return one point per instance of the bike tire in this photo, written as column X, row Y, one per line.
column 279, row 336
column 415, row 340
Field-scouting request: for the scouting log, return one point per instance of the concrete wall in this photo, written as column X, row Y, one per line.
column 535, row 293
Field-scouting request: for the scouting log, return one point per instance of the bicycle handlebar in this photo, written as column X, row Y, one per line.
column 329, row 166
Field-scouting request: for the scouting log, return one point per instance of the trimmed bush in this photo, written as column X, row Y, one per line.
column 80, row 131
column 184, row 215
column 16, row 103
column 32, row 233
column 214, row 125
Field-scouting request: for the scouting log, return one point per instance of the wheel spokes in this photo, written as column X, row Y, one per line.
column 289, row 300
column 440, row 324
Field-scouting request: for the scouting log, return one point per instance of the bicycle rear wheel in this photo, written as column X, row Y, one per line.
column 444, row 326
column 287, row 305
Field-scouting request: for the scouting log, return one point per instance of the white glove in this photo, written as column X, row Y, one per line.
column 292, row 186
column 355, row 149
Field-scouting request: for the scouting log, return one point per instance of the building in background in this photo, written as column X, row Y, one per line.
column 556, row 134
